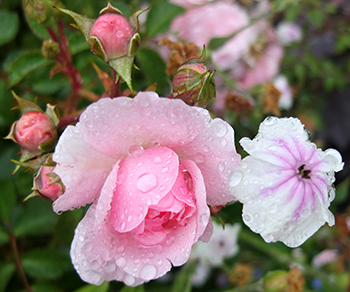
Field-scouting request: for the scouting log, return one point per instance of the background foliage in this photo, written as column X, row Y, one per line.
column 318, row 69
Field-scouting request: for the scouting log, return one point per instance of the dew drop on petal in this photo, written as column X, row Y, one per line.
column 134, row 148
column 148, row 272
column 247, row 218
column 121, row 262
column 110, row 268
column 220, row 129
column 122, row 226
column 270, row 121
column 146, row 182
column 129, row 280
column 236, row 178
column 129, row 218
column 157, row 160
column 165, row 169
column 221, row 166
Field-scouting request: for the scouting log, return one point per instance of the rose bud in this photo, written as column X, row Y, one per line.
column 194, row 83
column 35, row 130
column 114, row 33
column 112, row 37
column 48, row 184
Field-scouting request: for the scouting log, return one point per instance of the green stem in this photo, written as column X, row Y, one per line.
column 256, row 287
column 19, row 263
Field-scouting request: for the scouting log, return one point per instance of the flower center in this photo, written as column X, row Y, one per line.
column 304, row 172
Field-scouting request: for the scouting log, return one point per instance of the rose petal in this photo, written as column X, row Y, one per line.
column 144, row 178
column 214, row 153
column 83, row 178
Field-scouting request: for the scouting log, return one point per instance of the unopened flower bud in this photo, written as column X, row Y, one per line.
column 50, row 49
column 114, row 33
column 48, row 184
column 194, row 83
column 35, row 129
column 37, row 10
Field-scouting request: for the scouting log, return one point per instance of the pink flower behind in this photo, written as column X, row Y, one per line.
column 189, row 3
column 150, row 166
column 285, row 184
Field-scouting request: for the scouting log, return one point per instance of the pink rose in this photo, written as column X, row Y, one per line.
column 34, row 129
column 114, row 33
column 150, row 166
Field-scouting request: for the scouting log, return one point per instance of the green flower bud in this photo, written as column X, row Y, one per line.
column 50, row 49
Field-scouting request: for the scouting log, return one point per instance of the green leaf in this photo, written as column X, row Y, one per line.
column 92, row 288
column 7, row 199
column 46, row 263
column 67, row 222
column 25, row 64
column 6, row 272
column 39, row 31
column 133, row 289
column 160, row 16
column 9, row 22
column 45, row 287
column 183, row 279
column 36, row 218
column 77, row 43
column 153, row 68
column 282, row 5
column 6, row 115
column 4, row 237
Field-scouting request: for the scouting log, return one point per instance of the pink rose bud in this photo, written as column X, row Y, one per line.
column 47, row 183
column 34, row 129
column 194, row 84
column 114, row 33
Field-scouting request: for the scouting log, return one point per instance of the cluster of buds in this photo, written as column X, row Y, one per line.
column 194, row 83
column 112, row 37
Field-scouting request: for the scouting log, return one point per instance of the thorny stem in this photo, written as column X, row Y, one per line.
column 19, row 263
column 65, row 58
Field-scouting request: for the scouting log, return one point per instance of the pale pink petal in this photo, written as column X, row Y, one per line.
column 146, row 120
column 83, row 178
column 144, row 178
column 214, row 153
column 219, row 19
column 266, row 68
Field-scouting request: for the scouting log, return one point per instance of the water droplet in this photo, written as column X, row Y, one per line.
column 236, row 178
column 157, row 160
column 120, row 262
column 148, row 272
column 162, row 188
column 206, row 149
column 134, row 148
column 120, row 34
column 94, row 278
column 165, row 169
column 129, row 280
column 89, row 124
column 220, row 129
column 76, row 130
column 270, row 121
column 199, row 158
column 272, row 148
column 223, row 142
column 268, row 238
column 149, row 201
column 273, row 208
column 110, row 268
column 129, row 218
column 221, row 166
column 144, row 102
column 81, row 237
column 159, row 262
column 247, row 218
column 84, row 263
column 146, row 182
column 122, row 226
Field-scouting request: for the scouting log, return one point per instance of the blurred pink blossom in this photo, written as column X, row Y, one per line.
column 288, row 32
column 150, row 166
column 189, row 3
column 285, row 184
column 286, row 98
column 325, row 257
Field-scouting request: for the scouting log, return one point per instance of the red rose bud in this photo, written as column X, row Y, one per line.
column 114, row 33
column 48, row 184
column 35, row 129
column 194, row 83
